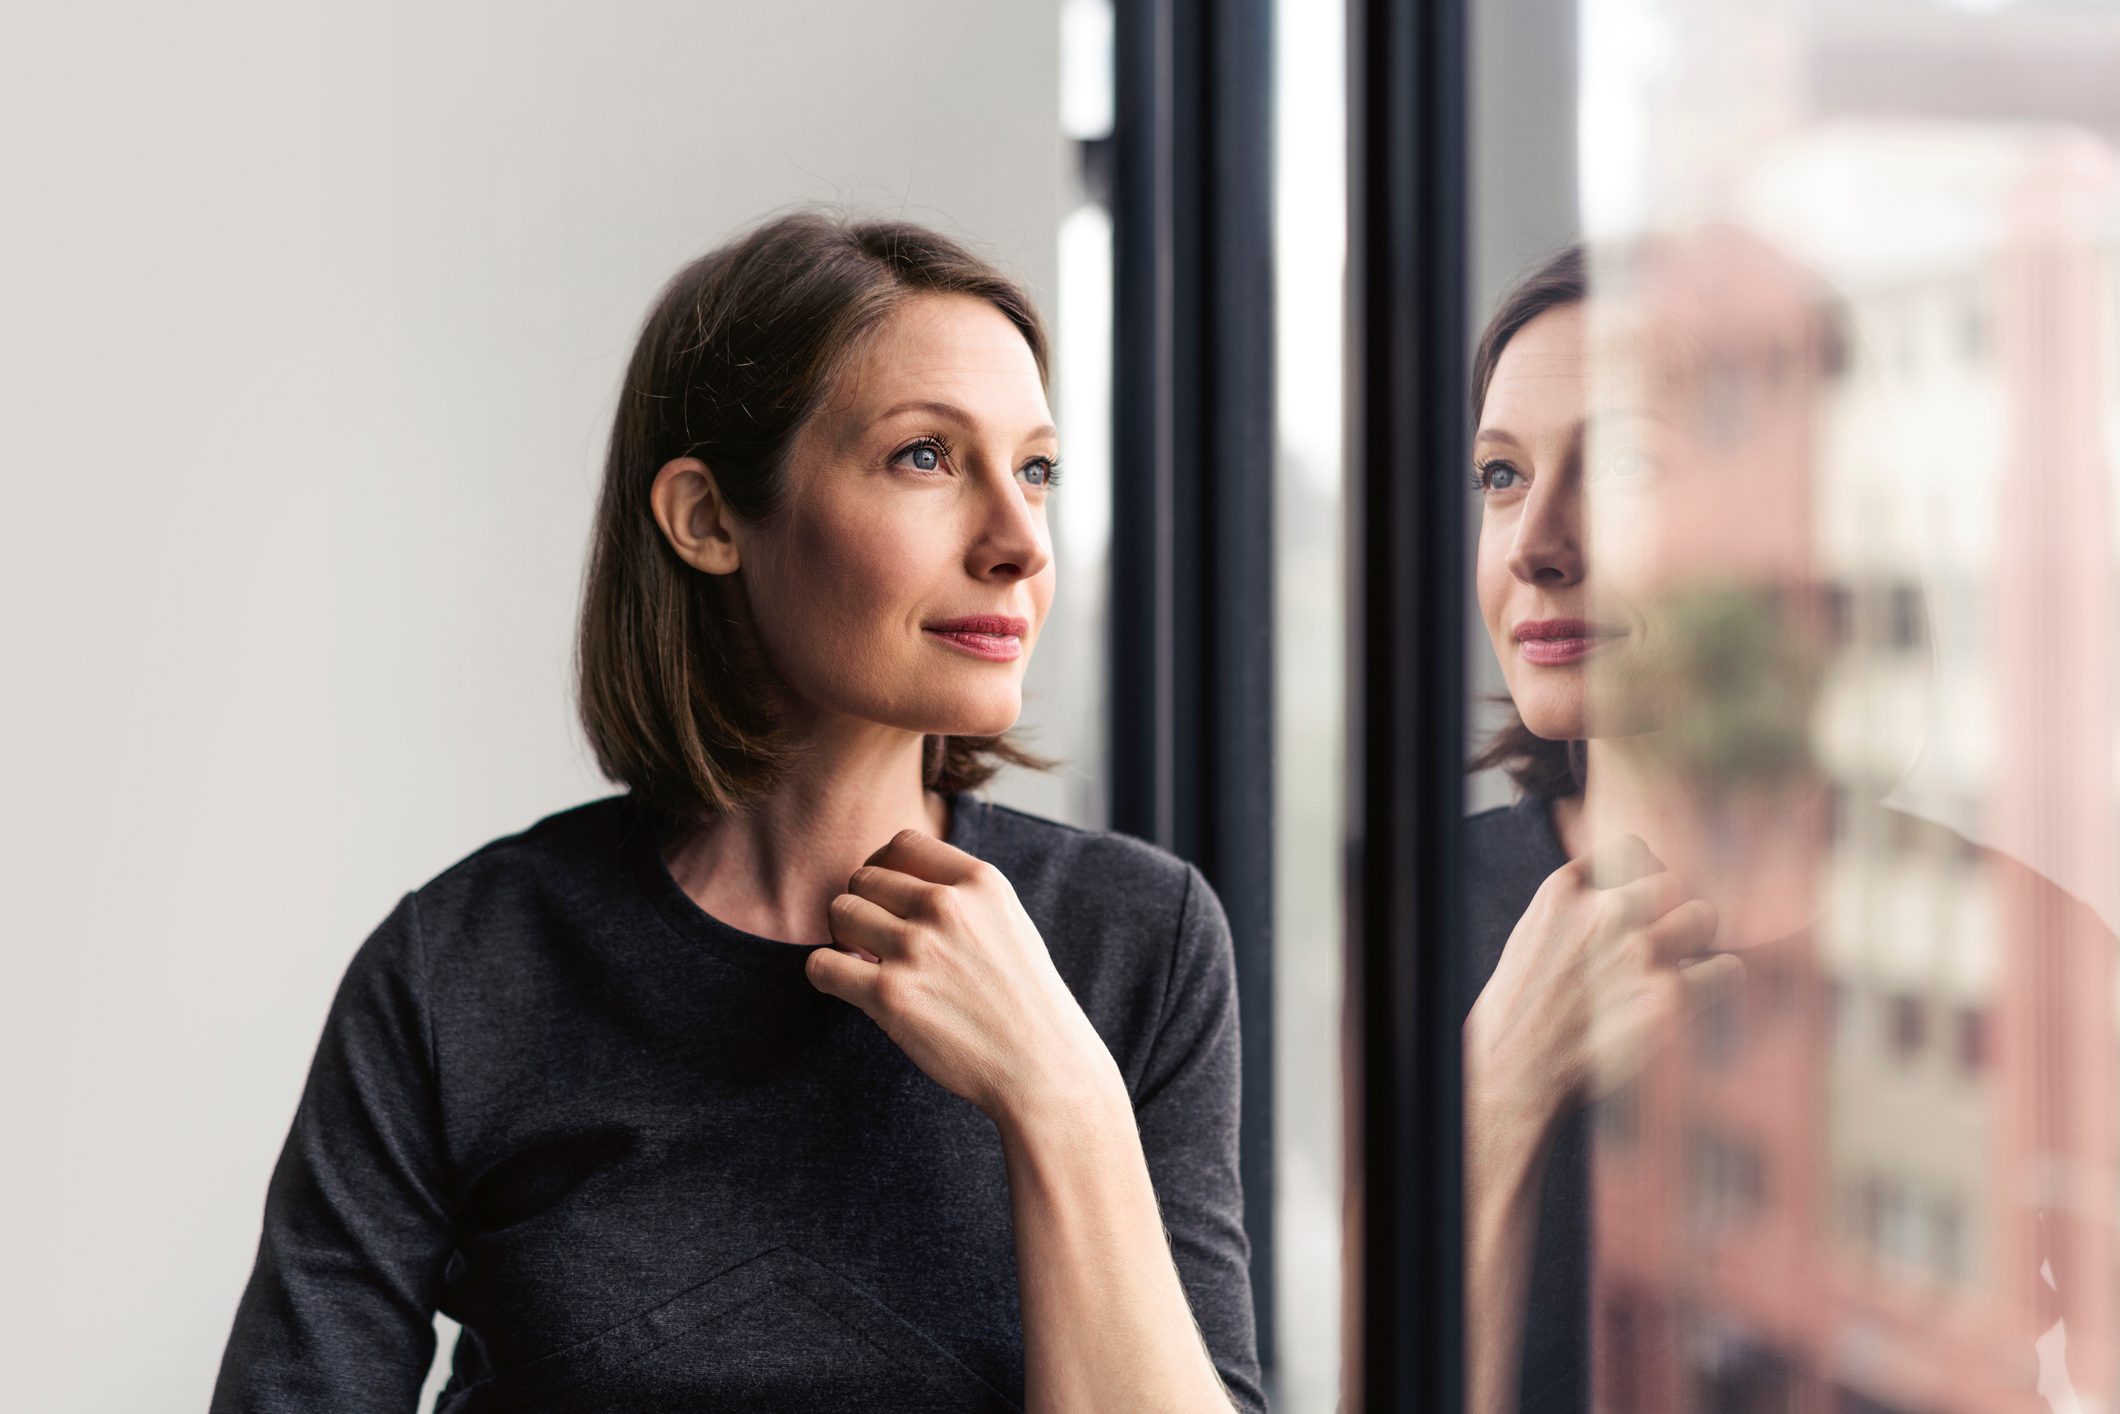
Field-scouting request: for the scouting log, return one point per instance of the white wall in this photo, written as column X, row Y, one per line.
column 313, row 317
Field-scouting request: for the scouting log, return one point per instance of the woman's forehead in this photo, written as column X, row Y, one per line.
column 956, row 357
column 1540, row 375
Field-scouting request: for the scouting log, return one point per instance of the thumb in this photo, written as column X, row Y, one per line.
column 1710, row 980
column 843, row 975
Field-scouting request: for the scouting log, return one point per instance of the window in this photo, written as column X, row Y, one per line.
column 1906, row 616
column 1970, row 1036
column 1830, row 304
column 1908, row 1025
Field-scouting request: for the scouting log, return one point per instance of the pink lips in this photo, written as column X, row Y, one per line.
column 1547, row 642
column 997, row 638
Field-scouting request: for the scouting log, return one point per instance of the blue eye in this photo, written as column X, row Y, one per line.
column 1495, row 476
column 1042, row 471
column 926, row 455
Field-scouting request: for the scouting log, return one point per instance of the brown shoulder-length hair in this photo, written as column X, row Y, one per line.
column 1538, row 765
column 740, row 348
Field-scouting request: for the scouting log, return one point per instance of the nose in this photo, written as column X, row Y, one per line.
column 1547, row 551
column 1011, row 541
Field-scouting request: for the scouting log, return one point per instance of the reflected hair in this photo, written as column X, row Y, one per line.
column 1539, row 766
column 740, row 348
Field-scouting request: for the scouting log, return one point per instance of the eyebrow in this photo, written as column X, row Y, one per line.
column 958, row 414
column 1496, row 434
column 1576, row 429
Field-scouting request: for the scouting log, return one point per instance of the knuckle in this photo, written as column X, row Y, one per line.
column 1563, row 884
column 861, row 878
column 1637, row 950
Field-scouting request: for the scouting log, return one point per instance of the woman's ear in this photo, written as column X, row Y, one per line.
column 694, row 518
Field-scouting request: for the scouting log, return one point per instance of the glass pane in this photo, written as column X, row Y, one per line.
column 1797, row 557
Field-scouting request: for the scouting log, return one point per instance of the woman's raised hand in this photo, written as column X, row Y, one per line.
column 1609, row 954
column 933, row 944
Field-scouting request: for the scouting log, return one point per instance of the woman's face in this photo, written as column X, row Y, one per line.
column 1531, row 577
column 910, row 572
column 1537, row 458
column 1674, row 438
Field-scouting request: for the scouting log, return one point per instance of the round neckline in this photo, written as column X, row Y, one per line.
column 694, row 925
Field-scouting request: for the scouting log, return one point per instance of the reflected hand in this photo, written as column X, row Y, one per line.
column 1611, row 953
column 933, row 944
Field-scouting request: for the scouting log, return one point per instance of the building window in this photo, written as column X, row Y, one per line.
column 1909, row 1023
column 1947, row 1233
column 1906, row 616
column 1717, row 1032
column 1726, row 1181
column 1972, row 1039
column 1973, row 331
column 1840, row 1019
column 1840, row 615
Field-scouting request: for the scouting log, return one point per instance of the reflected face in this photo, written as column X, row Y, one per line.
column 1681, row 459
column 1538, row 459
column 907, row 578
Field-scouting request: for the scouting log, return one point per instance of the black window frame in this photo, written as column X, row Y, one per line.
column 1409, row 210
column 1192, row 586
column 1191, row 666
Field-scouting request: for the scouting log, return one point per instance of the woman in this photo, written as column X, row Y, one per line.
column 795, row 1075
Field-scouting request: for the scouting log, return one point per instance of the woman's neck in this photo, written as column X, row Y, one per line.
column 1754, row 851
column 774, row 869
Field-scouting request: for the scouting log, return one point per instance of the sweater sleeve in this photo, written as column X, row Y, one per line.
column 338, row 1313
column 1187, row 1107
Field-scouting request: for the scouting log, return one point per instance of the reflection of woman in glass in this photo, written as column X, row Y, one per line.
column 1673, row 818
column 795, row 1076
column 1633, row 806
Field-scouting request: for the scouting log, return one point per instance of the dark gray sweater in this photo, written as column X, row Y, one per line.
column 648, row 1167
column 1509, row 852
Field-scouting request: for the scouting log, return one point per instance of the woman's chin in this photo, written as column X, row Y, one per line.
column 1555, row 725
column 975, row 719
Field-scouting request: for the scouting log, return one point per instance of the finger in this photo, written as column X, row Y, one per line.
column 925, row 857
column 898, row 892
column 856, row 922
column 1711, row 980
column 1616, row 862
column 1648, row 899
column 842, row 975
column 1686, row 931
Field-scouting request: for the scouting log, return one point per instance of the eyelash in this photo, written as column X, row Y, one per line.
column 1481, row 469
column 942, row 447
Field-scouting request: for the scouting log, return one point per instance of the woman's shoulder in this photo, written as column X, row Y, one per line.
column 1509, row 851
column 1054, row 855
column 1087, row 885
column 1135, row 930
column 1516, row 838
column 571, row 854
